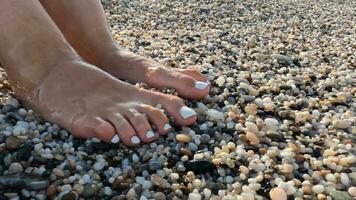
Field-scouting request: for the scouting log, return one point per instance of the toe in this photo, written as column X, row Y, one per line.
column 140, row 123
column 157, row 117
column 124, row 130
column 186, row 85
column 192, row 72
column 94, row 127
column 176, row 108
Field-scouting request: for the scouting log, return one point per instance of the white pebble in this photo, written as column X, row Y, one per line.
column 271, row 124
column 344, row 179
column 215, row 115
column 193, row 196
column 317, row 189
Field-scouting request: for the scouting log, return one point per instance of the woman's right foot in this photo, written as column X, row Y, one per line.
column 90, row 103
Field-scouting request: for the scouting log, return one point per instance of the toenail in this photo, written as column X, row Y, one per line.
column 115, row 139
column 201, row 85
column 186, row 112
column 149, row 134
column 135, row 140
column 166, row 127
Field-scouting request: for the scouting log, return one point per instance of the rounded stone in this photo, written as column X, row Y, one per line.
column 15, row 168
column 278, row 194
column 183, row 138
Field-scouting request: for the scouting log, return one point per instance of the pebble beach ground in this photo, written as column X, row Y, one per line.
column 279, row 122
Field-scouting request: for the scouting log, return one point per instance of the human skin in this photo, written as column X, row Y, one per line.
column 47, row 74
column 84, row 24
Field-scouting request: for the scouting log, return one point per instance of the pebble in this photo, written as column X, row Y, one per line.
column 352, row 191
column 194, row 196
column 183, row 138
column 340, row 195
column 271, row 124
column 72, row 195
column 252, row 138
column 12, row 142
column 341, row 124
column 278, row 194
column 220, row 81
column 215, row 115
column 51, row 190
column 131, row 194
column 317, row 189
column 15, row 168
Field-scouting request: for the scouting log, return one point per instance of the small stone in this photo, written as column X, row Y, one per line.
column 307, row 190
column 24, row 153
column 156, row 180
column 220, row 81
column 15, row 168
column 72, row 195
column 107, row 191
column 330, row 178
column 352, row 191
column 183, row 138
column 251, row 109
column 340, row 195
column 206, row 193
column 154, row 165
column 131, row 194
column 89, row 191
column 341, row 124
column 146, row 185
column 204, row 139
column 251, row 127
column 271, row 124
column 215, row 115
column 286, row 168
column 159, row 196
column 194, row 196
column 12, row 142
column 344, row 179
column 278, row 194
column 51, row 190
column 317, row 189
column 200, row 166
column 252, row 138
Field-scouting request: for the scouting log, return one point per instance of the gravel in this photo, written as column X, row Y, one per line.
column 279, row 122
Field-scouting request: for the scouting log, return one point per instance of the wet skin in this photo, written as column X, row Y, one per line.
column 84, row 25
column 47, row 73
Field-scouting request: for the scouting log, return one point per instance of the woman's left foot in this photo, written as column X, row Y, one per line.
column 122, row 64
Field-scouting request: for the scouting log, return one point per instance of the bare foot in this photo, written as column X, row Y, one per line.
column 47, row 74
column 189, row 83
column 85, row 27
column 91, row 103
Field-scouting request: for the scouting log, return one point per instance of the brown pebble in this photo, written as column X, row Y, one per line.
column 263, row 150
column 156, row 180
column 185, row 151
column 252, row 138
column 51, row 190
column 70, row 196
column 307, row 190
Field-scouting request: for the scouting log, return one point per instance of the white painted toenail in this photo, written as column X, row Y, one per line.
column 149, row 134
column 186, row 112
column 201, row 85
column 115, row 139
column 135, row 140
column 166, row 127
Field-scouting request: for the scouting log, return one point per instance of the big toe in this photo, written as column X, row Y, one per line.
column 176, row 108
column 186, row 84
